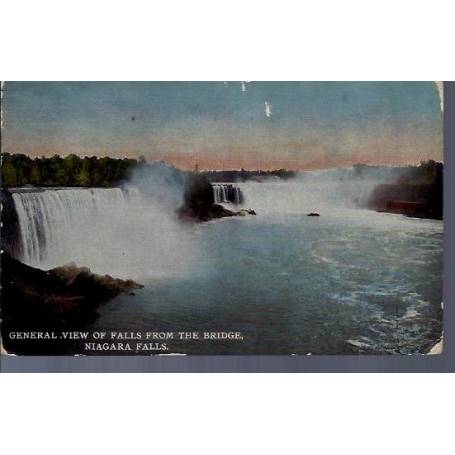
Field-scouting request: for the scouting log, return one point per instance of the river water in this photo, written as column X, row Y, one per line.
column 348, row 281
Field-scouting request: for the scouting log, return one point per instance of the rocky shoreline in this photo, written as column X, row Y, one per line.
column 64, row 298
column 418, row 201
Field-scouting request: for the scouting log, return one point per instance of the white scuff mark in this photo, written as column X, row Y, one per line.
column 440, row 88
column 3, row 351
column 268, row 109
column 2, row 84
column 438, row 348
column 244, row 85
column 171, row 354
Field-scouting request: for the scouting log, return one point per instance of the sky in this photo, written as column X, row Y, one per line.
column 228, row 125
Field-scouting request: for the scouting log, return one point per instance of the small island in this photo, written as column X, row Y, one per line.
column 199, row 202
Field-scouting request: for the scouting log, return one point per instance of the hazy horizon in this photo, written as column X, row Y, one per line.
column 199, row 169
column 228, row 126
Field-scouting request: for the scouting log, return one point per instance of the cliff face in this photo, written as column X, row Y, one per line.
column 58, row 299
column 419, row 200
column 10, row 232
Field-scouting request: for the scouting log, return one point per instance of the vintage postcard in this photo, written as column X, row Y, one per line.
column 200, row 218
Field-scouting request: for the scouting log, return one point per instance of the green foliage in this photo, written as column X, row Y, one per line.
column 19, row 170
column 83, row 177
column 35, row 174
column 9, row 174
column 428, row 172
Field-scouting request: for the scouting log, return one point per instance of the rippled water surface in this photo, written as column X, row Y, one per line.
column 349, row 281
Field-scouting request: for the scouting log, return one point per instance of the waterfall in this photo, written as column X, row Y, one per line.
column 121, row 232
column 238, row 195
column 224, row 193
column 46, row 217
column 314, row 191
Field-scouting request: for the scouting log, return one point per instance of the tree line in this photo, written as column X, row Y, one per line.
column 428, row 172
column 243, row 175
column 19, row 170
column 73, row 170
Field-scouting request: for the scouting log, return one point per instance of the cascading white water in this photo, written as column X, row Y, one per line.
column 46, row 217
column 226, row 193
column 219, row 194
column 313, row 191
column 111, row 230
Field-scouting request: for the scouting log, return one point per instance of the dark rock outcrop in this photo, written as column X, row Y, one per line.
column 199, row 203
column 10, row 231
column 417, row 200
column 64, row 298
